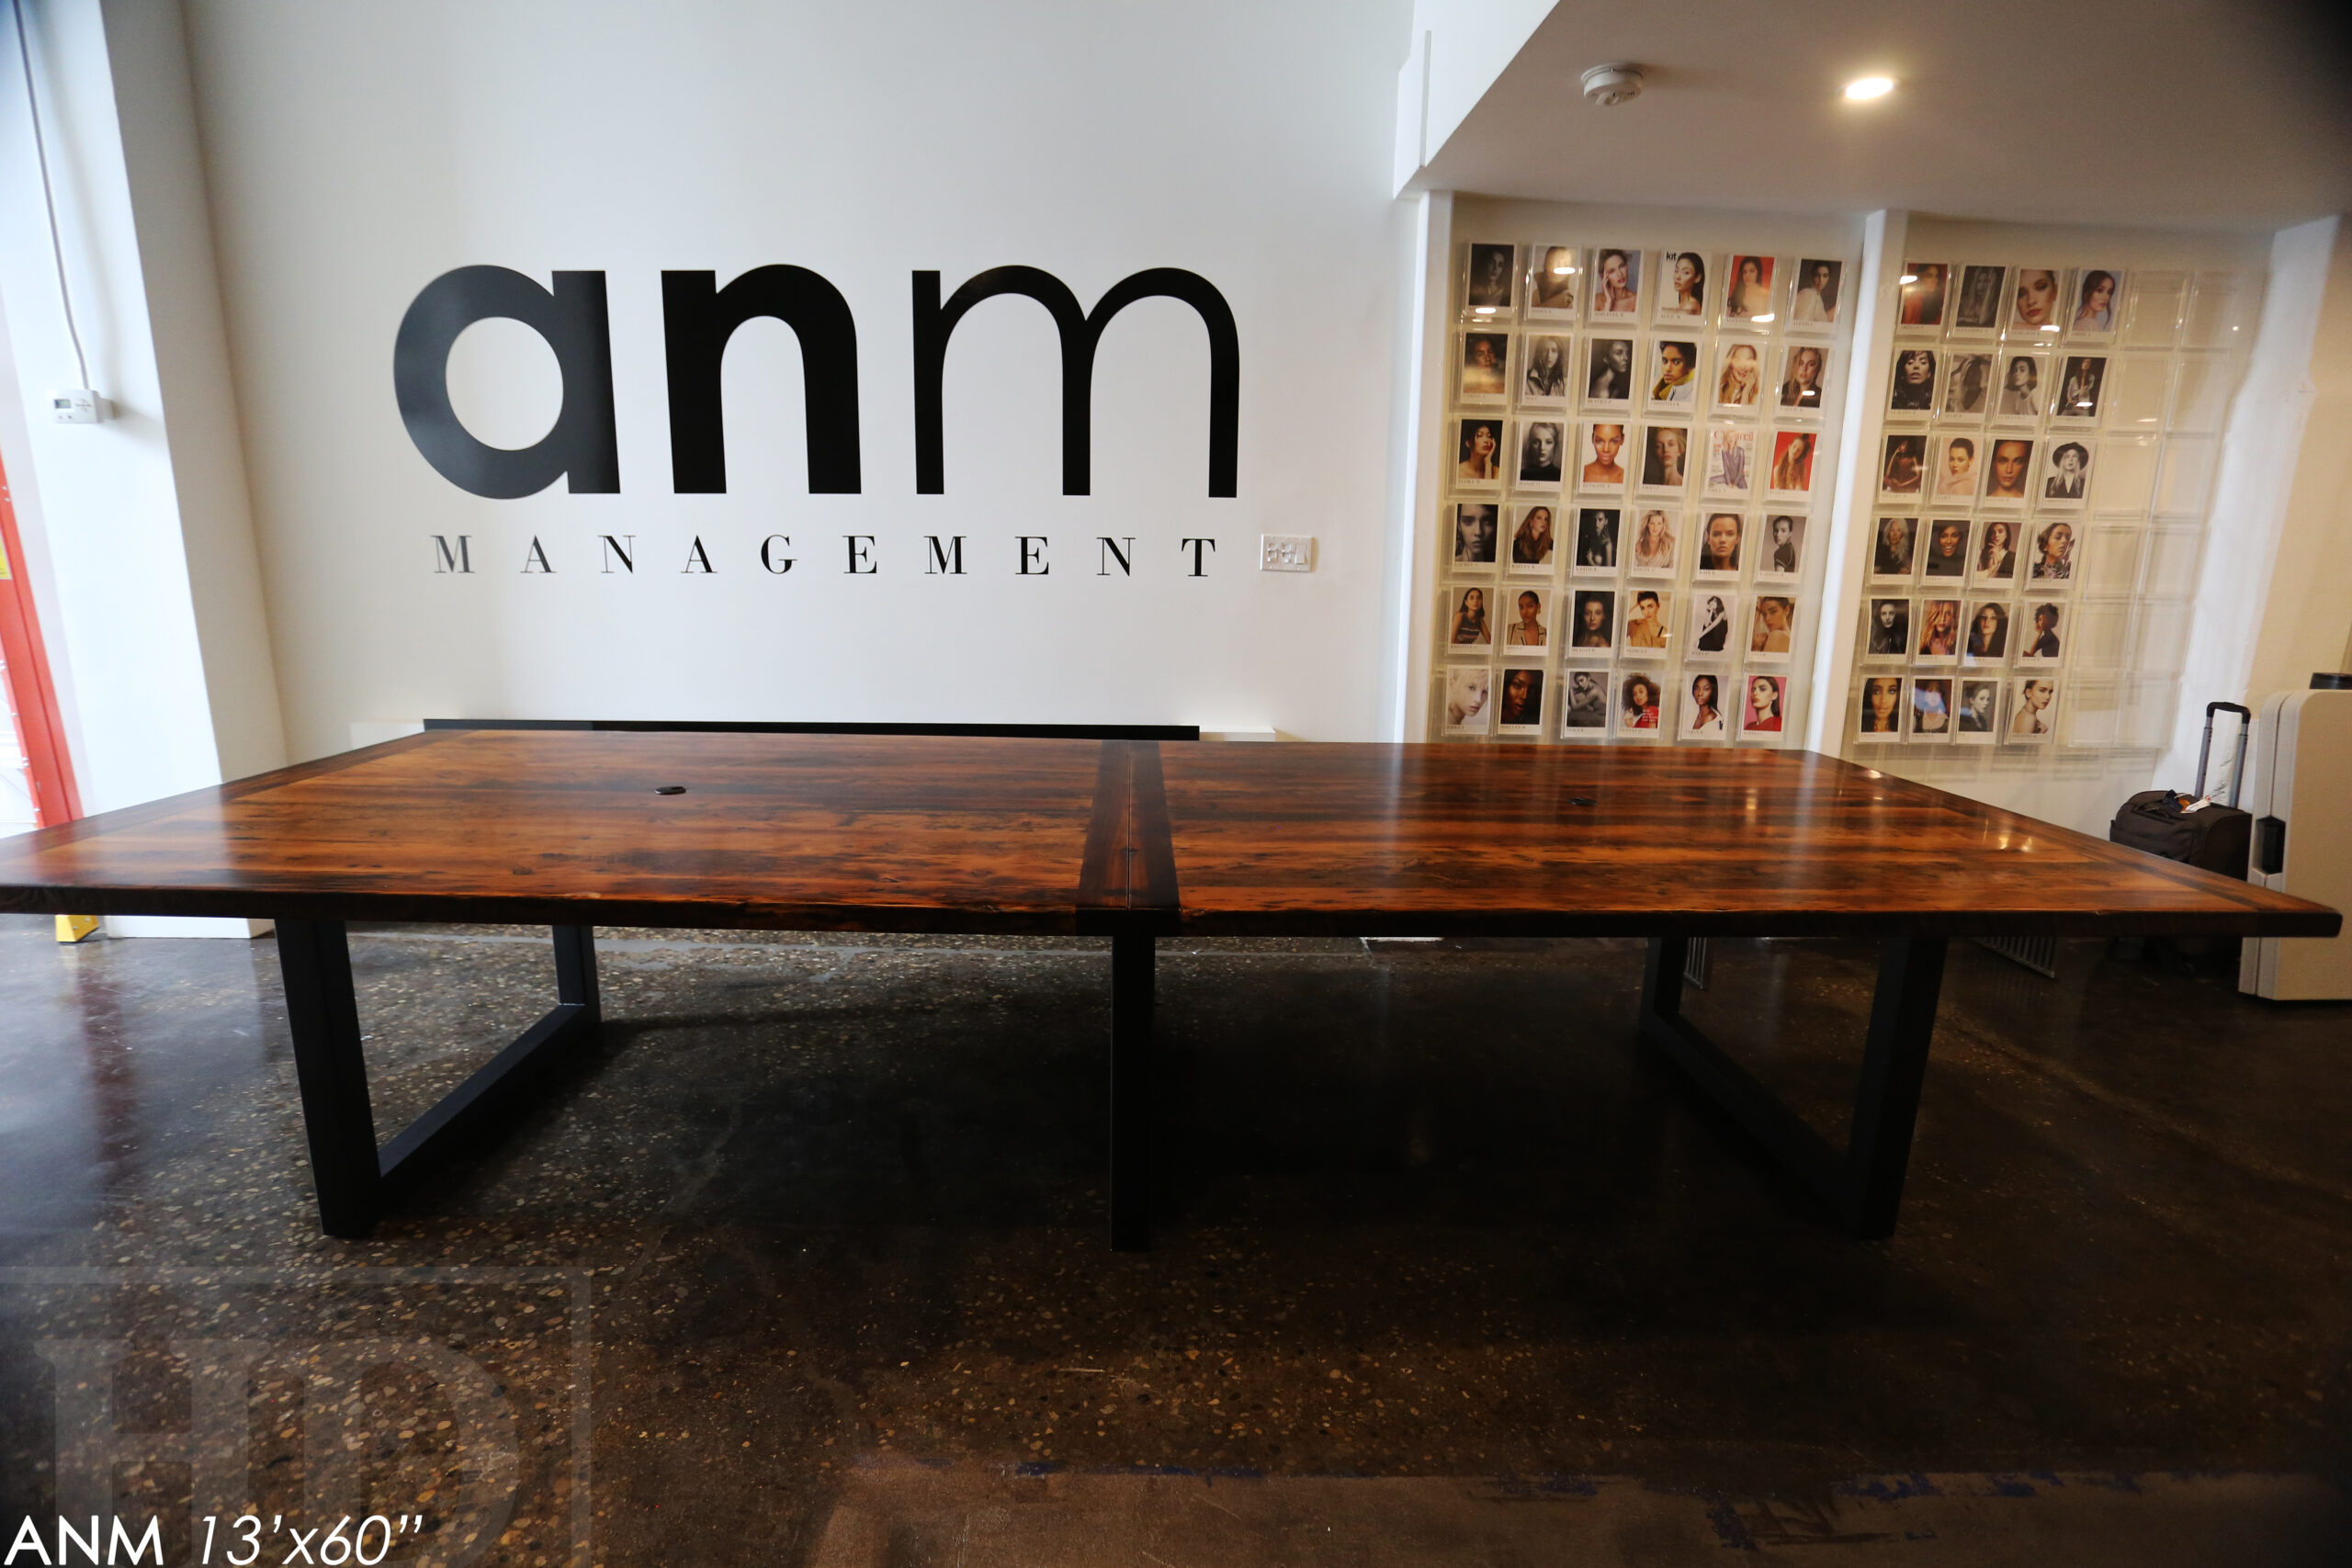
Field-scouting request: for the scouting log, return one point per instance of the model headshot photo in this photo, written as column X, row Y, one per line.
column 1616, row 283
column 1766, row 696
column 1988, row 633
column 1904, row 466
column 1702, row 707
column 2054, row 553
column 2068, row 483
column 1920, row 302
column 1731, row 460
column 1784, row 545
column 1478, row 454
column 1802, row 368
column 1602, row 451
column 2021, row 388
column 1521, row 706
column 1895, row 546
column 2038, row 302
column 1882, row 714
column 1647, row 620
column 1720, row 537
column 1939, row 630
column 1552, row 281
column 1674, row 371
column 1817, row 298
column 1545, row 379
column 1890, row 628
column 1637, row 704
column 2033, row 710
column 1947, row 550
column 1653, row 541
column 1609, row 373
column 1488, row 290
column 1683, row 292
column 1913, row 388
column 1748, row 294
column 2041, row 643
column 1773, row 629
column 1483, row 357
column 1541, row 442
column 1597, row 538
column 1588, row 704
column 1968, row 386
column 2006, row 472
column 1931, row 708
column 1474, row 535
column 1535, row 538
column 1467, row 691
column 1955, row 468
column 1471, row 628
column 1791, row 470
column 1596, row 620
column 2097, row 299
column 1739, row 377
column 1977, row 306
column 1666, row 456
column 2080, row 381
column 1527, row 627
column 1996, row 556
column 1979, row 711
column 1710, row 620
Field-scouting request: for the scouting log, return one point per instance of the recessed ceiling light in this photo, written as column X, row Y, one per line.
column 1865, row 87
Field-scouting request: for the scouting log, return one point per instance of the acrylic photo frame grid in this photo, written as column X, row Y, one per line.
column 1757, row 373
column 2104, row 343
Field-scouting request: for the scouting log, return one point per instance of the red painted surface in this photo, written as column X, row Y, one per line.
column 41, row 728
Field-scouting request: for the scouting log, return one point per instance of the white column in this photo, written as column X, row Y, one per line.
column 143, row 527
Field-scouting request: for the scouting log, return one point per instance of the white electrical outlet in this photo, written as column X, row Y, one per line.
column 1285, row 552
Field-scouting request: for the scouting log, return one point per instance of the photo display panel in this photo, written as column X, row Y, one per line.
column 2042, row 470
column 1638, row 436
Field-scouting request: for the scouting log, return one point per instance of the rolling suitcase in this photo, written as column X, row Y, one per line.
column 2194, row 829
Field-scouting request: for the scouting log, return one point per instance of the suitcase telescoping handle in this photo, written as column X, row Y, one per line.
column 2205, row 751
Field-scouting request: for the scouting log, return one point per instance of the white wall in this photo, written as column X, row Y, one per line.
column 2306, row 624
column 354, row 153
column 150, row 613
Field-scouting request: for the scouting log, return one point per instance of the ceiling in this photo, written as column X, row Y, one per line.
column 2180, row 113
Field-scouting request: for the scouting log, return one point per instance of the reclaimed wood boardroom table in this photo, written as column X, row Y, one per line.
column 1129, row 840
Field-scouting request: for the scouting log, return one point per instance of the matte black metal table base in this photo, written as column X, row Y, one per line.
column 1862, row 1183
column 1132, row 966
column 357, row 1179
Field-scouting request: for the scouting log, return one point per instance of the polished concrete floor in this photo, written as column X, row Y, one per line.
column 804, row 1264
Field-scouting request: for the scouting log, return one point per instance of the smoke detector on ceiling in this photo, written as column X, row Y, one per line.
column 1611, row 85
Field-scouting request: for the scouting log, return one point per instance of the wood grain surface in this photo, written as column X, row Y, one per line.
column 908, row 833
column 1366, row 840
column 786, row 831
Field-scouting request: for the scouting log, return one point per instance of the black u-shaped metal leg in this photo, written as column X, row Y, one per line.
column 1863, row 1181
column 1132, row 979
column 358, row 1181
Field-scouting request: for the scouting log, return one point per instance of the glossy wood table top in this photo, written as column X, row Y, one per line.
column 904, row 833
column 565, row 827
column 1650, row 840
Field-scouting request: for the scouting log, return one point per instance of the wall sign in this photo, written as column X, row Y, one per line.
column 698, row 318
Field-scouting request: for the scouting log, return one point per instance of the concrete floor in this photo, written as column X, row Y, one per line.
column 804, row 1265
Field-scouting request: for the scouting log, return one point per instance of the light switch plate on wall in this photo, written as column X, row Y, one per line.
column 1285, row 552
